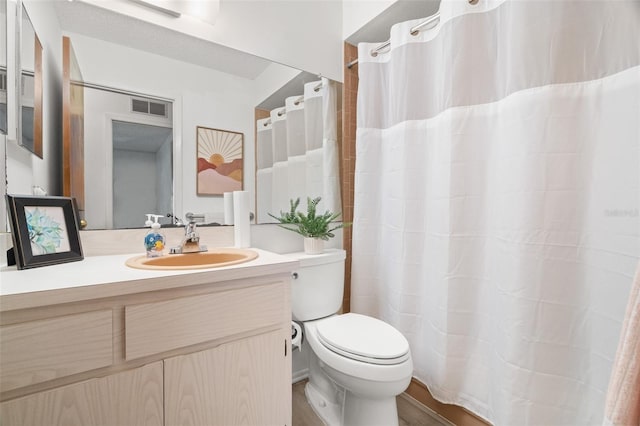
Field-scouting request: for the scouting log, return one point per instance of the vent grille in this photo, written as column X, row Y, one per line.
column 3, row 82
column 157, row 109
column 144, row 106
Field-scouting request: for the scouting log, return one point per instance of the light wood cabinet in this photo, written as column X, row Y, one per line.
column 238, row 383
column 129, row 398
column 205, row 354
column 36, row 351
column 170, row 324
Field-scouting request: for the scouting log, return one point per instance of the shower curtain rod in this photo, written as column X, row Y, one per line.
column 413, row 31
column 301, row 98
column 282, row 112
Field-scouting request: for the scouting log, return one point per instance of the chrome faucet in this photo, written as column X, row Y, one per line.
column 191, row 241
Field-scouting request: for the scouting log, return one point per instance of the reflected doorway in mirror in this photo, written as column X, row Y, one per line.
column 220, row 162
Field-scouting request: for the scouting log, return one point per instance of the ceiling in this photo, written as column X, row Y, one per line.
column 139, row 137
column 96, row 22
column 93, row 21
column 292, row 88
column 379, row 28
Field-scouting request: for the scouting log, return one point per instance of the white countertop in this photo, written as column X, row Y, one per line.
column 106, row 276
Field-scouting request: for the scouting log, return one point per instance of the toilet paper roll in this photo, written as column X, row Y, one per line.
column 296, row 335
column 228, row 208
column 241, row 227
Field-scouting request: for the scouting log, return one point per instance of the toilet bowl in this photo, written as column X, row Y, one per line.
column 358, row 364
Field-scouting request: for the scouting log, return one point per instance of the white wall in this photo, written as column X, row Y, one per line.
column 3, row 189
column 371, row 20
column 46, row 171
column 10, row 64
column 271, row 79
column 303, row 34
column 3, row 138
column 3, row 38
column 25, row 169
column 357, row 13
column 217, row 112
column 27, row 43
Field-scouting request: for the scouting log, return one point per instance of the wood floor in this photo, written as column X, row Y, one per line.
column 410, row 413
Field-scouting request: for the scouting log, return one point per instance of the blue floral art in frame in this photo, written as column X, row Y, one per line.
column 45, row 233
column 44, row 230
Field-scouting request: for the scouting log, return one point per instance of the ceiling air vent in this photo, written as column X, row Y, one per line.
column 144, row 106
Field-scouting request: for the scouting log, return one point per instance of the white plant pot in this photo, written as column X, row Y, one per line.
column 313, row 245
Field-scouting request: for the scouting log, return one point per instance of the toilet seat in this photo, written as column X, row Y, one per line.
column 362, row 338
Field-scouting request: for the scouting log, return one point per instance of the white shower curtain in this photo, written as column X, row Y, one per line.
column 323, row 170
column 304, row 145
column 497, row 191
column 296, row 149
column 314, row 134
column 330, row 159
column 264, row 169
column 280, row 169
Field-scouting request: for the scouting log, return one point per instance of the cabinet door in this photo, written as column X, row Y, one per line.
column 238, row 383
column 128, row 398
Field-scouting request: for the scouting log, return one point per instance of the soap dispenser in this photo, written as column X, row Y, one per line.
column 154, row 240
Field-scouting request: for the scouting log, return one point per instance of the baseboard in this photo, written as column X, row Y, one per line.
column 299, row 376
column 453, row 413
column 426, row 410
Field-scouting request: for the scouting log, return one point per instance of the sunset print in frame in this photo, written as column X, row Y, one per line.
column 220, row 162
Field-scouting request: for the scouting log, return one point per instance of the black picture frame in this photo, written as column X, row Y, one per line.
column 44, row 230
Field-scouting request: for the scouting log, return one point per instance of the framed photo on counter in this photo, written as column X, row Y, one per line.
column 44, row 230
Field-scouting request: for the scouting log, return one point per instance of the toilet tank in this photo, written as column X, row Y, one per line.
column 317, row 285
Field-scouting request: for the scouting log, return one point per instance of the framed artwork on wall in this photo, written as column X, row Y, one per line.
column 220, row 162
column 44, row 230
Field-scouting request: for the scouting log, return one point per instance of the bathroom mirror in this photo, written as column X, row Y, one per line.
column 208, row 85
column 30, row 87
column 3, row 67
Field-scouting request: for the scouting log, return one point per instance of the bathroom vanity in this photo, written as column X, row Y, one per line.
column 98, row 343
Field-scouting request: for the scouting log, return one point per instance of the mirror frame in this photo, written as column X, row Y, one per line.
column 21, row 13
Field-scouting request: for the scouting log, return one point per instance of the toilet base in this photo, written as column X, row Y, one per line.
column 360, row 411
column 329, row 413
column 357, row 411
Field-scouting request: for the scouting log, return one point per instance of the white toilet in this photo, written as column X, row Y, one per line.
column 359, row 364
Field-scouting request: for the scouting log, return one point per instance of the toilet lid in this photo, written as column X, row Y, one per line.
column 363, row 338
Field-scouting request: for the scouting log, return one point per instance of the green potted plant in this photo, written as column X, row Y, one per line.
column 315, row 228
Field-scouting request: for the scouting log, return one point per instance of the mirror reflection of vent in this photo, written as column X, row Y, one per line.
column 3, row 82
column 149, row 107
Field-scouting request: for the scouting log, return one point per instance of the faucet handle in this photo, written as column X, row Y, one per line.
column 193, row 217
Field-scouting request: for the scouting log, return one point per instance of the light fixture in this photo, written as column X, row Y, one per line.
column 204, row 10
